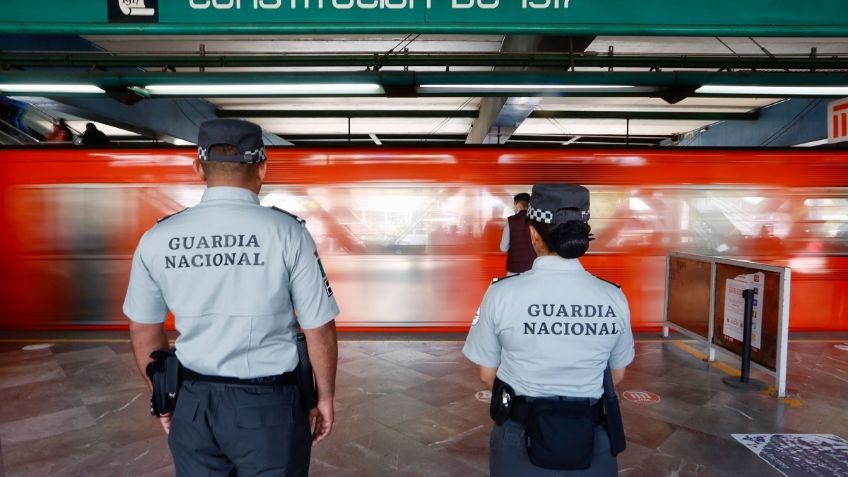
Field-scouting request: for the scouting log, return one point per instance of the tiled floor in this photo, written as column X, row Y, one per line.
column 404, row 408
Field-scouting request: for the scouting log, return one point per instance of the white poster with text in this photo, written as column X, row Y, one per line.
column 734, row 307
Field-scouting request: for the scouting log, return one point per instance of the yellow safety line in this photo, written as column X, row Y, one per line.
column 724, row 367
column 731, row 371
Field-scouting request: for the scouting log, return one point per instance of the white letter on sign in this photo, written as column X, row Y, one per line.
column 198, row 4
column 462, row 3
column 226, row 4
column 267, row 4
column 395, row 4
column 489, row 4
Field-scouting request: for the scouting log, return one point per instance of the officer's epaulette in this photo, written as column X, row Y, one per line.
column 500, row 279
column 162, row 219
column 301, row 221
column 605, row 280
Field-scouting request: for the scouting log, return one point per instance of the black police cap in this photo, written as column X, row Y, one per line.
column 549, row 201
column 242, row 135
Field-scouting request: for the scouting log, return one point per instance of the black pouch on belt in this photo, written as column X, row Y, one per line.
column 561, row 434
column 305, row 379
column 165, row 373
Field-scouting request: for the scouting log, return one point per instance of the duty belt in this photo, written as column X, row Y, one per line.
column 285, row 379
column 521, row 406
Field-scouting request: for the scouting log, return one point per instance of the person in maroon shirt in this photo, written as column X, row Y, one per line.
column 515, row 240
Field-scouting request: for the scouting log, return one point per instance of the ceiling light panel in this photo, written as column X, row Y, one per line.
column 531, row 88
column 786, row 91
column 50, row 88
column 263, row 89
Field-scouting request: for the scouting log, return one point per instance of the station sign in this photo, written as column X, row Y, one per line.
column 837, row 121
column 576, row 17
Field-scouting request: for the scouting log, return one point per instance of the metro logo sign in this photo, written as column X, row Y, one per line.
column 641, row 397
column 837, row 125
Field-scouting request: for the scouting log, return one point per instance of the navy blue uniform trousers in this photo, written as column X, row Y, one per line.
column 236, row 430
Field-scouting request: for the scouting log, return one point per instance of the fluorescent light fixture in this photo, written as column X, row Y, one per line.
column 263, row 89
column 820, row 142
column 375, row 139
column 563, row 88
column 774, row 90
column 49, row 88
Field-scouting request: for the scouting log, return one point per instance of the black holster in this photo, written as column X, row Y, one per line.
column 305, row 379
column 613, row 424
column 501, row 403
column 165, row 373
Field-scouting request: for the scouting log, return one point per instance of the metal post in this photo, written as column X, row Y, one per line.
column 745, row 381
column 747, row 324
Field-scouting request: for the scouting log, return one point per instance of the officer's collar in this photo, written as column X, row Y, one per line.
column 553, row 262
column 229, row 193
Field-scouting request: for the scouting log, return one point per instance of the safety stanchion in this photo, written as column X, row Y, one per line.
column 744, row 381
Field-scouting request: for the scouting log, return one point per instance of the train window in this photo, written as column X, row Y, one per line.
column 450, row 219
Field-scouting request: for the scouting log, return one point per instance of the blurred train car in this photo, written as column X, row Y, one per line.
column 410, row 237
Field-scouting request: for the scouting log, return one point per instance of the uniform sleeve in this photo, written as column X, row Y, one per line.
column 482, row 345
column 144, row 302
column 623, row 352
column 505, row 238
column 310, row 289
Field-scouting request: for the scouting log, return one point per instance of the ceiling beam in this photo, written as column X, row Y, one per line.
column 454, row 140
column 587, row 139
column 648, row 115
column 499, row 117
column 350, row 113
column 449, row 84
column 537, row 114
column 503, row 59
column 164, row 117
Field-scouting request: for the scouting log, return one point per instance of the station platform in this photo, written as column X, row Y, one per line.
column 411, row 405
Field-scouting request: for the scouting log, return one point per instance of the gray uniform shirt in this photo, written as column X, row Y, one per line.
column 238, row 278
column 552, row 330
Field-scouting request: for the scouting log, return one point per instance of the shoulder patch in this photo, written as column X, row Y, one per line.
column 605, row 280
column 301, row 221
column 162, row 219
column 500, row 279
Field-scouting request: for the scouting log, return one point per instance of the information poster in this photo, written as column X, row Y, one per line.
column 734, row 307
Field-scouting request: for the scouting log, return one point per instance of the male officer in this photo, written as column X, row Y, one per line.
column 547, row 336
column 239, row 279
column 515, row 240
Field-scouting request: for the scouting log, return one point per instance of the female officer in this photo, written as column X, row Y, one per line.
column 543, row 340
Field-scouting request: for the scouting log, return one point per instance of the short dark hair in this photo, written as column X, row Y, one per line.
column 239, row 169
column 569, row 239
column 523, row 197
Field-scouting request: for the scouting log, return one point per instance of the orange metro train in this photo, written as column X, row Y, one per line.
column 409, row 237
